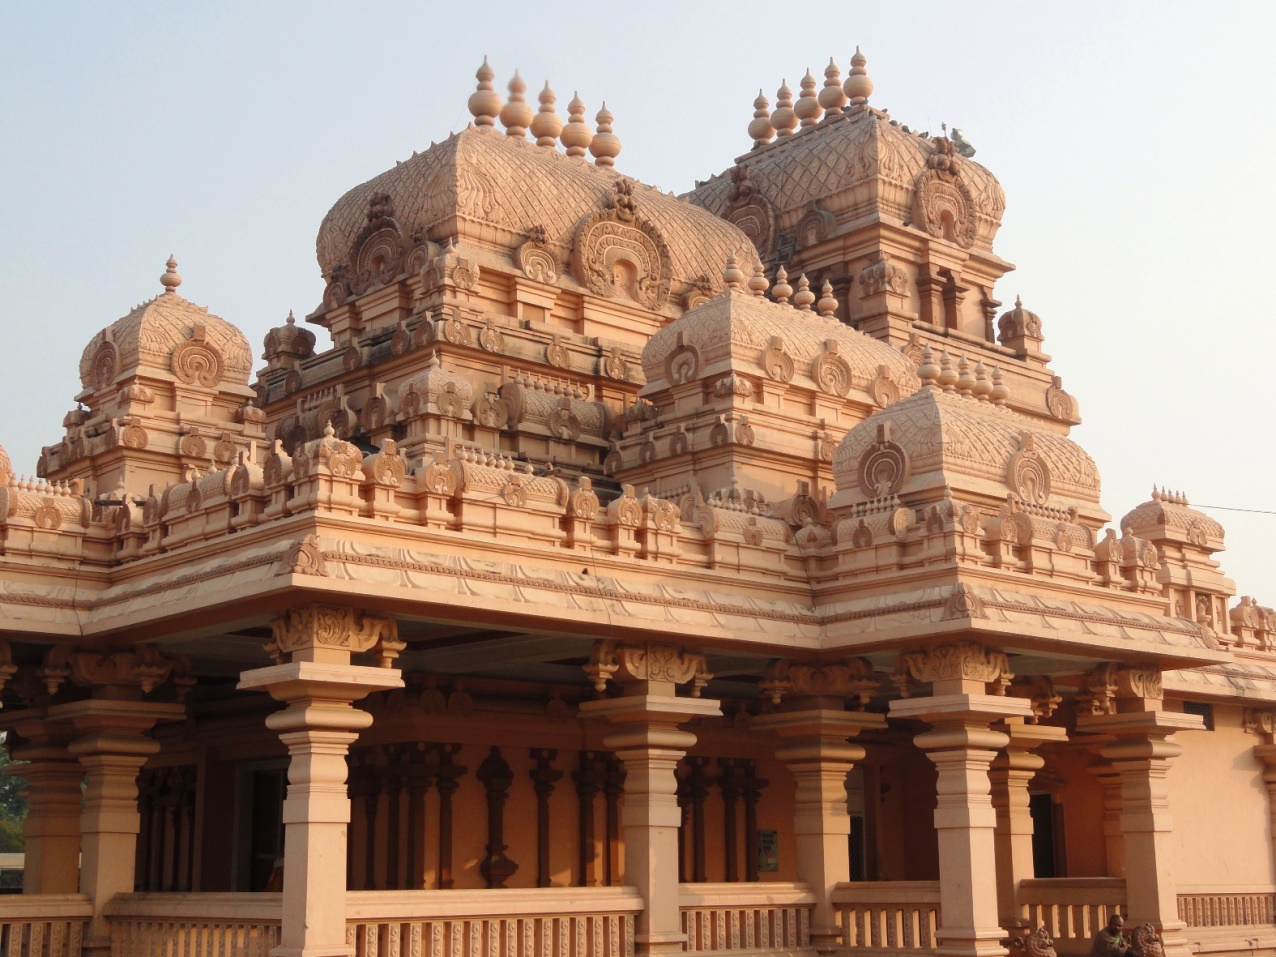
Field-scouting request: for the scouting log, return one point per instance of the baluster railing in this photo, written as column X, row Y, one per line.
column 194, row 925
column 736, row 916
column 1072, row 909
column 888, row 917
column 43, row 925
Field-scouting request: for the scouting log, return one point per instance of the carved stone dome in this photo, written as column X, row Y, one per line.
column 6, row 466
column 487, row 189
column 739, row 331
column 936, row 440
column 858, row 165
column 1166, row 516
column 168, row 337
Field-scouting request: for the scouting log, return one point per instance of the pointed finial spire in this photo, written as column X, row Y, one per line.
column 546, row 124
column 485, row 102
column 999, row 392
column 291, row 320
column 733, row 275
column 803, row 297
column 832, row 97
column 170, row 280
column 927, row 371
column 808, row 107
column 781, row 290
column 517, row 114
column 784, row 119
column 982, row 385
column 757, row 282
column 858, row 87
column 760, row 127
column 965, row 377
column 947, row 377
column 606, row 144
column 828, row 302
column 576, row 135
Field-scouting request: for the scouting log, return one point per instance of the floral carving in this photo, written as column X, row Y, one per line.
column 882, row 275
column 535, row 257
column 312, row 627
column 140, row 666
column 1038, row 689
column 1098, row 691
column 613, row 661
column 1140, row 682
column 944, row 206
column 618, row 253
column 491, row 411
column 962, row 660
column 852, row 678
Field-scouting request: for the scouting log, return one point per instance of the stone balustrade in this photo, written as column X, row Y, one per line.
column 735, row 916
column 888, row 917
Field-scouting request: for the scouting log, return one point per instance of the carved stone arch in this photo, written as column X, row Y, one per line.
column 378, row 259
column 944, row 207
column 618, row 253
column 814, row 227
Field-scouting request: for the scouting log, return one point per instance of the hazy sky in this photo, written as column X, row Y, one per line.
column 1135, row 142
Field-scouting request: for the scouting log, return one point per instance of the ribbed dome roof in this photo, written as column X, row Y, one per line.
column 738, row 330
column 1168, row 515
column 171, row 336
column 485, row 187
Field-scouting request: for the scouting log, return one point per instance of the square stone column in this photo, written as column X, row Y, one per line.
column 51, row 831
column 1010, row 774
column 112, row 747
column 962, row 744
column 649, row 744
column 315, row 679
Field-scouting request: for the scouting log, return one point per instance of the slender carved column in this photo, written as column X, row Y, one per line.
column 449, row 779
column 753, row 786
column 613, row 788
column 370, row 790
column 1012, row 771
column 962, row 745
column 650, row 744
column 52, row 828
column 1141, row 754
column 495, row 775
column 316, row 681
column 544, row 777
column 419, row 776
column 816, row 730
column 731, row 786
column 392, row 785
column 698, row 781
column 589, row 780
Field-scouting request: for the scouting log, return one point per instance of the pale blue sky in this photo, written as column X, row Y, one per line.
column 1135, row 143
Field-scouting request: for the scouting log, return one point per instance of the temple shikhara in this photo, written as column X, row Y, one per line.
column 599, row 572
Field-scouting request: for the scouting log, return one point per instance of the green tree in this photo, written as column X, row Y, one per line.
column 13, row 806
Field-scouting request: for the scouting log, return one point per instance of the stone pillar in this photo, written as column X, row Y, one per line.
column 1011, row 772
column 962, row 744
column 1141, row 750
column 313, row 676
column 816, row 728
column 52, row 829
column 1263, row 724
column 649, row 743
column 1113, row 843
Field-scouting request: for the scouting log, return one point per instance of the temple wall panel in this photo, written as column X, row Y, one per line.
column 1081, row 803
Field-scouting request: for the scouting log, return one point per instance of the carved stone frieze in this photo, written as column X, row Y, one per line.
column 852, row 678
column 619, row 254
column 622, row 663
column 962, row 660
column 312, row 627
column 142, row 667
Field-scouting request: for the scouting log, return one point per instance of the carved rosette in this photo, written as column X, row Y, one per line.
column 852, row 678
column 777, row 363
column 536, row 258
column 1027, row 473
column 962, row 660
column 883, row 467
column 613, row 661
column 618, row 253
column 683, row 363
column 317, row 627
column 830, row 371
column 197, row 361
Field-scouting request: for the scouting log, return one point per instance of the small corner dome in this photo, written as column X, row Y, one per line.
column 936, row 439
column 1167, row 516
column 6, row 466
column 168, row 336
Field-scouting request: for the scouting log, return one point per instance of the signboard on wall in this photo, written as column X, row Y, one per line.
column 768, row 851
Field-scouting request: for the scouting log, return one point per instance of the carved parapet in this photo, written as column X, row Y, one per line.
column 1253, row 625
column 949, row 667
column 332, row 634
column 136, row 670
column 558, row 409
column 327, row 472
column 852, row 678
column 645, row 665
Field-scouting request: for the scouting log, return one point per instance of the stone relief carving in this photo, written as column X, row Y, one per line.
column 830, row 371
column 1027, row 473
column 197, row 361
column 944, row 206
column 536, row 258
column 621, row 663
column 618, row 253
column 777, row 363
column 852, row 678
column 883, row 467
column 750, row 211
column 322, row 626
column 959, row 660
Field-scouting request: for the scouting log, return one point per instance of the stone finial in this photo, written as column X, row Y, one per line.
column 760, row 127
column 576, row 135
column 485, row 102
column 832, row 96
column 733, row 275
column 858, row 87
column 757, row 282
column 606, row 144
column 781, row 290
column 170, row 280
column 965, row 377
column 803, row 297
column 516, row 115
column 828, row 302
column 947, row 377
column 927, row 371
column 546, row 124
column 982, row 386
column 808, row 108
column 999, row 392
column 783, row 119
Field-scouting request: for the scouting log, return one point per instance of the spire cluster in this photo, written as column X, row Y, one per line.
column 835, row 98
column 518, row 117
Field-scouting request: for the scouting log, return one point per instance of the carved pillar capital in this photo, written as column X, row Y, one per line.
column 327, row 633
column 120, row 673
column 649, row 666
column 959, row 667
column 849, row 679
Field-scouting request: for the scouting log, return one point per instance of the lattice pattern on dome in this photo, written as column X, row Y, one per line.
column 1172, row 511
column 944, row 432
column 488, row 180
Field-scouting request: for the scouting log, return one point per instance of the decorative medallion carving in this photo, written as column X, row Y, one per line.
column 882, row 275
column 197, row 361
column 614, row 365
column 535, row 257
column 304, row 557
column 379, row 259
column 884, row 465
column 830, row 371
column 777, row 363
column 1059, row 403
column 322, row 626
column 683, row 363
column 944, row 206
column 556, row 354
column 352, row 358
column 963, row 602
column 103, row 367
column 1027, row 473
column 617, row 253
column 583, row 503
column 883, row 388
column 133, row 437
column 750, row 212
column 490, row 338
column 491, row 411
column 193, row 446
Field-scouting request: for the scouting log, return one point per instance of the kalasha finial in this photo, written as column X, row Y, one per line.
column 982, row 386
column 803, row 297
column 516, row 115
column 947, row 377
column 832, row 97
column 808, row 108
column 784, row 119
column 781, row 290
column 927, row 371
column 858, row 87
column 170, row 280
column 606, row 144
column 999, row 392
column 576, row 135
column 760, row 127
column 965, row 377
column 757, row 282
column 546, row 124
column 828, row 302
column 485, row 102
column 733, row 275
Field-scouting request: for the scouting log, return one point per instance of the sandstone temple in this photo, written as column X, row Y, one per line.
column 599, row 572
